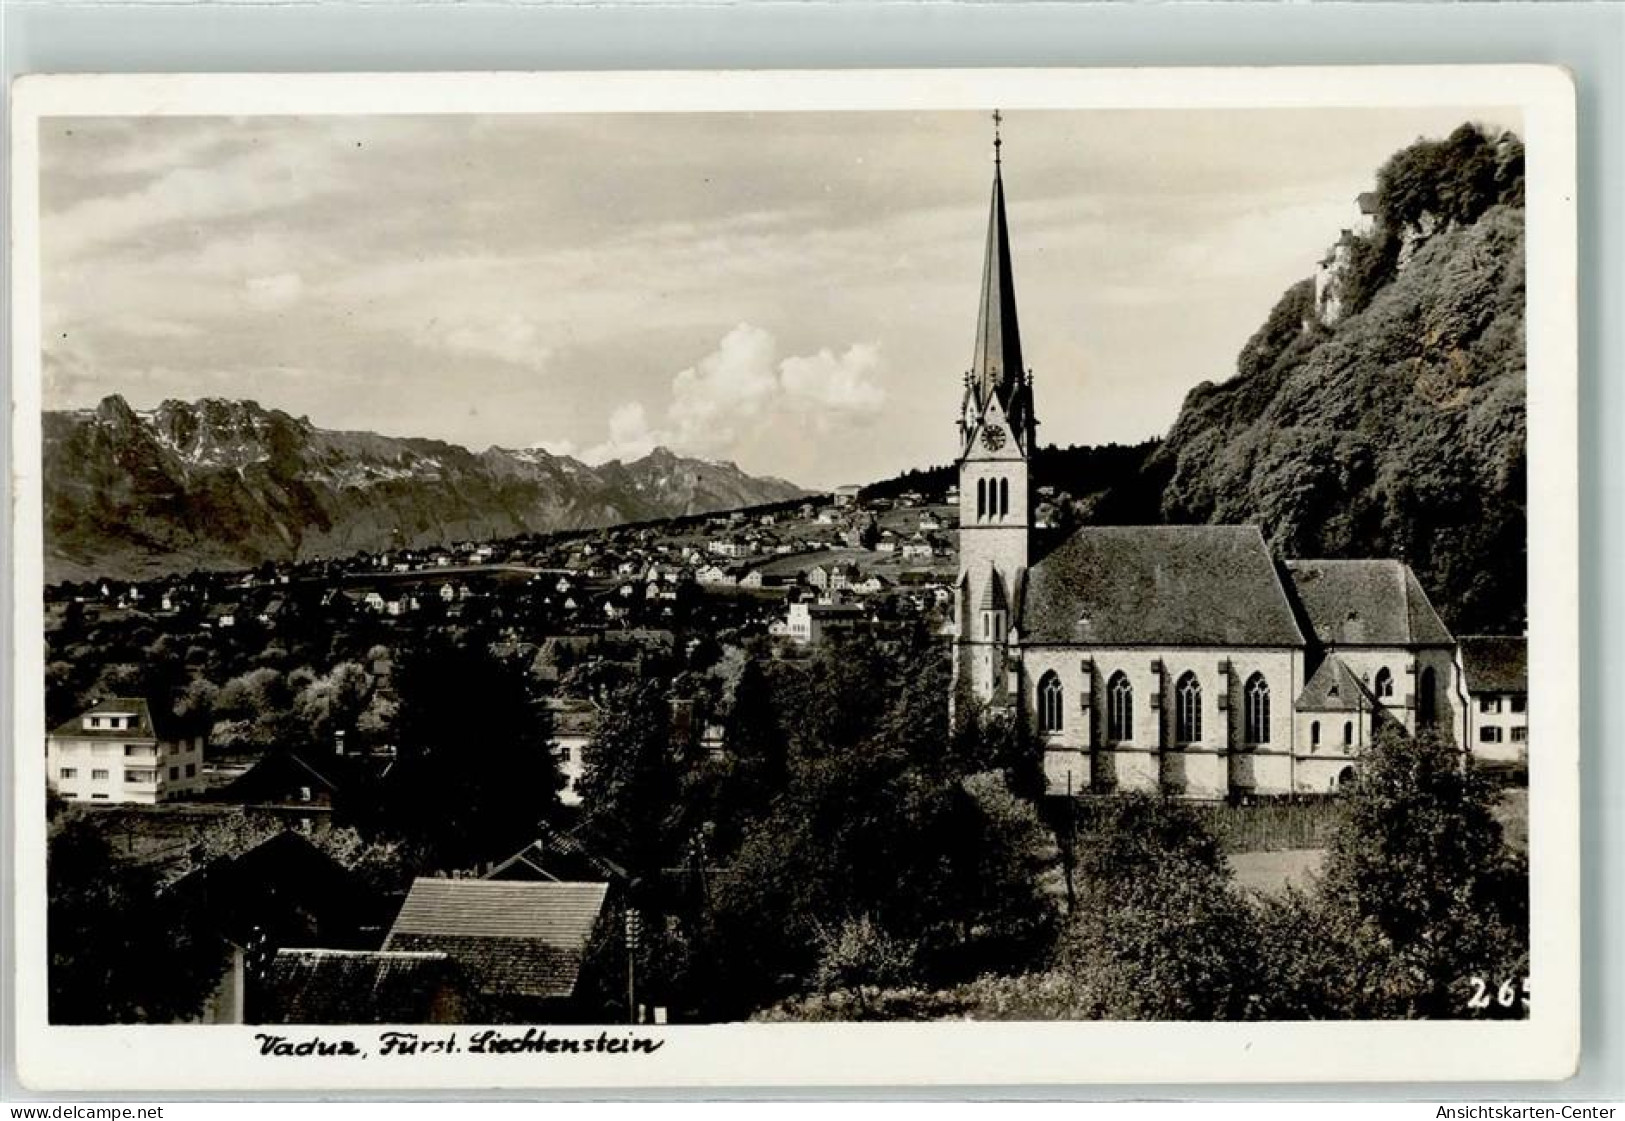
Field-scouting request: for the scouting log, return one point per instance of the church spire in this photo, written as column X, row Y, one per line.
column 996, row 367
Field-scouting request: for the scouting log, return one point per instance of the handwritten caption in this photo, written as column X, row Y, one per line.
column 484, row 1041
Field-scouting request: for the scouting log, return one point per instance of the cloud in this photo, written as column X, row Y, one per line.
column 630, row 436
column 272, row 293
column 742, row 393
column 511, row 337
column 841, row 383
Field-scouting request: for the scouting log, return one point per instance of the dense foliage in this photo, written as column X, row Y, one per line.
column 154, row 963
column 1421, row 912
column 1420, row 895
column 850, row 839
column 475, row 769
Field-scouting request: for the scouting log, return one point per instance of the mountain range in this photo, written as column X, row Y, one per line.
column 222, row 484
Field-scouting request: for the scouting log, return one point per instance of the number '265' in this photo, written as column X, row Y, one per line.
column 1506, row 994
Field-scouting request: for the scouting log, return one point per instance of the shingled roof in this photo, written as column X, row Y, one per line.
column 1335, row 688
column 356, row 987
column 1366, row 603
column 1158, row 585
column 510, row 938
column 1495, row 663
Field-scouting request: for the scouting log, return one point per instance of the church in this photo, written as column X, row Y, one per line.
column 1186, row 659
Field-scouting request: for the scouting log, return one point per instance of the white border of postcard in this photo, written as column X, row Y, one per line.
column 212, row 1058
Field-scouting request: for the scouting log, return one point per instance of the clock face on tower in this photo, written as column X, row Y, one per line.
column 993, row 439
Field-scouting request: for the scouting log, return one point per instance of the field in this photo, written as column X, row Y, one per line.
column 1271, row 872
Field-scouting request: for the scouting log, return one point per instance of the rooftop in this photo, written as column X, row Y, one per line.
column 1158, row 585
column 1335, row 688
column 1366, row 603
column 1495, row 663
column 354, row 986
column 511, row 938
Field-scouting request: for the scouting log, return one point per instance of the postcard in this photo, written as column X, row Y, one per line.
column 795, row 579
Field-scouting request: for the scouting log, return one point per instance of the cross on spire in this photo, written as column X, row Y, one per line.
column 998, row 141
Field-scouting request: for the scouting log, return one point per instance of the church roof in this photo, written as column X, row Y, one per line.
column 1335, row 688
column 997, row 361
column 997, row 390
column 1366, row 603
column 1158, row 585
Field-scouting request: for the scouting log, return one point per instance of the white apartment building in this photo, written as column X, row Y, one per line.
column 114, row 752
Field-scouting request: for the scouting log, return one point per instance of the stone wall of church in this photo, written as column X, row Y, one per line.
column 1150, row 758
column 1451, row 698
column 1320, row 767
column 1325, row 773
column 1409, row 666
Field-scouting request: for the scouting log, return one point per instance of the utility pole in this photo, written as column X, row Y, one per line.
column 634, row 925
column 1071, row 845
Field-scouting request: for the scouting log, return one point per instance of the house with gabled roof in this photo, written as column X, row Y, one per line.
column 1496, row 669
column 521, row 947
column 556, row 856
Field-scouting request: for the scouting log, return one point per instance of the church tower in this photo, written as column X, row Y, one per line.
column 997, row 438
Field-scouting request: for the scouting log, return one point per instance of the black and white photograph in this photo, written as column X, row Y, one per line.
column 543, row 575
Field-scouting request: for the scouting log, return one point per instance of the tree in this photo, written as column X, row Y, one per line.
column 121, row 952
column 879, row 835
column 1160, row 934
column 630, row 780
column 1419, row 885
column 475, row 767
column 755, row 768
column 333, row 703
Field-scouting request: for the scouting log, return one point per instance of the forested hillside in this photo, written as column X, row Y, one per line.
column 1398, row 430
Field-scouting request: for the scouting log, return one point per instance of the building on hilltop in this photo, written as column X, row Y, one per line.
column 1179, row 658
column 117, row 751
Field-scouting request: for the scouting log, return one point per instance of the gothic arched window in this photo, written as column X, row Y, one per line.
column 1427, row 711
column 981, row 498
column 1348, row 733
column 1314, row 736
column 1119, row 709
column 1257, row 700
column 1384, row 684
column 1050, row 709
column 1188, row 710
column 1004, row 497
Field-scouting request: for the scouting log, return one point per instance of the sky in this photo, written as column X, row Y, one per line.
column 793, row 292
